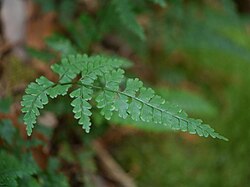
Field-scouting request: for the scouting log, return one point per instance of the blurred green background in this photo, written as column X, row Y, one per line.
column 195, row 53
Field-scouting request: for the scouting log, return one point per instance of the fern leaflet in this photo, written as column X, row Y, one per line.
column 81, row 106
column 35, row 99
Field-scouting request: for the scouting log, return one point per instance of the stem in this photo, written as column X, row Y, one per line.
column 130, row 96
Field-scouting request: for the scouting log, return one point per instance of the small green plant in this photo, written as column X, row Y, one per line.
column 18, row 166
column 100, row 81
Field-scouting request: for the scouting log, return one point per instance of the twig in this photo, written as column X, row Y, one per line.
column 114, row 171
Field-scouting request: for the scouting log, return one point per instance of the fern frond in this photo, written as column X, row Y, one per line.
column 127, row 17
column 135, row 101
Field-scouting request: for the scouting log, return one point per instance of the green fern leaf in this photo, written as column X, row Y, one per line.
column 105, row 101
column 98, row 65
column 106, row 98
column 35, row 99
column 81, row 106
column 84, row 74
column 53, row 92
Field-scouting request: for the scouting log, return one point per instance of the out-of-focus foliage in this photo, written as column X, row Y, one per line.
column 18, row 167
column 198, row 56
